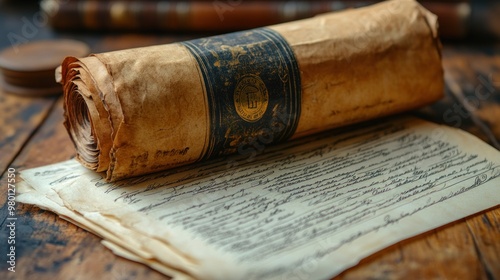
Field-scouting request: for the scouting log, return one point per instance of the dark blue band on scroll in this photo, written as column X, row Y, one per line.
column 252, row 81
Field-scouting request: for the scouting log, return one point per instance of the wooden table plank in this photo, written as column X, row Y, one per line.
column 470, row 82
column 472, row 100
column 20, row 117
column 485, row 231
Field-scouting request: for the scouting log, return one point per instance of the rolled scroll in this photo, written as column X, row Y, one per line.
column 142, row 110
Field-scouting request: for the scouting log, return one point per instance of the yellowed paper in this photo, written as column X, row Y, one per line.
column 138, row 111
column 307, row 209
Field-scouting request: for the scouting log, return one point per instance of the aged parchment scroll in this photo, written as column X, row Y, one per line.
column 142, row 110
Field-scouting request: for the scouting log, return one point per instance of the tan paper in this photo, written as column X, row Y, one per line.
column 306, row 209
column 137, row 111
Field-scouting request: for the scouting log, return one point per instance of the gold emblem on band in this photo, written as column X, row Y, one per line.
column 251, row 98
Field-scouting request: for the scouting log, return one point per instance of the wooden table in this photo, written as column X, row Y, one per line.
column 47, row 247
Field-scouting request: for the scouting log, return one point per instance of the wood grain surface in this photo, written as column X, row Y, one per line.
column 47, row 247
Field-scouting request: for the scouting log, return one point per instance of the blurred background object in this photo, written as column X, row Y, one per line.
column 458, row 18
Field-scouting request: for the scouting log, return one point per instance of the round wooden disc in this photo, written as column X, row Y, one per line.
column 20, row 66
column 32, row 92
column 41, row 55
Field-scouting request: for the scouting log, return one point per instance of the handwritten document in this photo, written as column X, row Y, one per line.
column 308, row 209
